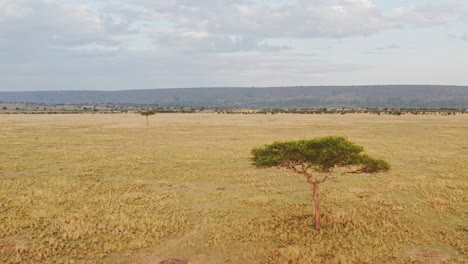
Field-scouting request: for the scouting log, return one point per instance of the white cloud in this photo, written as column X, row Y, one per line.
column 37, row 26
column 11, row 9
column 461, row 36
column 166, row 43
column 233, row 25
column 304, row 19
column 203, row 42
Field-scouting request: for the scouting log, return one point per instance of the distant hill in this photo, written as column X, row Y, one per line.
column 407, row 96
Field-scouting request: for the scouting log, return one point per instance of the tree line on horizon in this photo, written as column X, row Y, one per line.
column 32, row 108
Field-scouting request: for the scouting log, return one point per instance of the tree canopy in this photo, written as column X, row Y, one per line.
column 147, row 113
column 320, row 155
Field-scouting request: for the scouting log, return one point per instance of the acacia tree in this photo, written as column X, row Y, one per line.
column 316, row 159
column 147, row 114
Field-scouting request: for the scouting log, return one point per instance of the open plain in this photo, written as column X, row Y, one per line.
column 97, row 188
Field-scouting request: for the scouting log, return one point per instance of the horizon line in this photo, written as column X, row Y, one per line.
column 234, row 87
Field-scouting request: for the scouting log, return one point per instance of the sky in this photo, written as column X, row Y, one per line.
column 150, row 44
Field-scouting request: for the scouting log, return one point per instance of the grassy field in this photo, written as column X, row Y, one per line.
column 109, row 189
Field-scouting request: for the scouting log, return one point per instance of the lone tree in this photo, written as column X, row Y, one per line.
column 316, row 159
column 147, row 113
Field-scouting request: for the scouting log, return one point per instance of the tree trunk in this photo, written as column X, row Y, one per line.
column 317, row 207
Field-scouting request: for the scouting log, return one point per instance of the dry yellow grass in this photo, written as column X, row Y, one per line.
column 107, row 188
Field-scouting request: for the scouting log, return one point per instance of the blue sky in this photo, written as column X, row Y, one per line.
column 146, row 44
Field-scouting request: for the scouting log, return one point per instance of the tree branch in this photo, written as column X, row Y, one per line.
column 302, row 170
column 327, row 177
column 352, row 172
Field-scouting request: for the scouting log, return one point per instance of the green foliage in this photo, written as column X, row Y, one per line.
column 147, row 113
column 319, row 154
column 371, row 165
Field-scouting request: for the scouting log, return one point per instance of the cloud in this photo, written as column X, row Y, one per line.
column 32, row 28
column 123, row 44
column 383, row 49
column 240, row 25
column 247, row 18
column 302, row 19
column 462, row 36
column 203, row 42
column 12, row 10
column 428, row 15
column 205, row 25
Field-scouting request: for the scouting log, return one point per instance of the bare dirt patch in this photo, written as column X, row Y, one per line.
column 7, row 247
column 427, row 255
column 174, row 261
column 150, row 257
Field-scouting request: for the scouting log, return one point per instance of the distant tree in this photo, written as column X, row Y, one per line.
column 147, row 114
column 316, row 159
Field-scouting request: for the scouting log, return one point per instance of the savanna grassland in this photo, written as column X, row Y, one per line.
column 109, row 188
